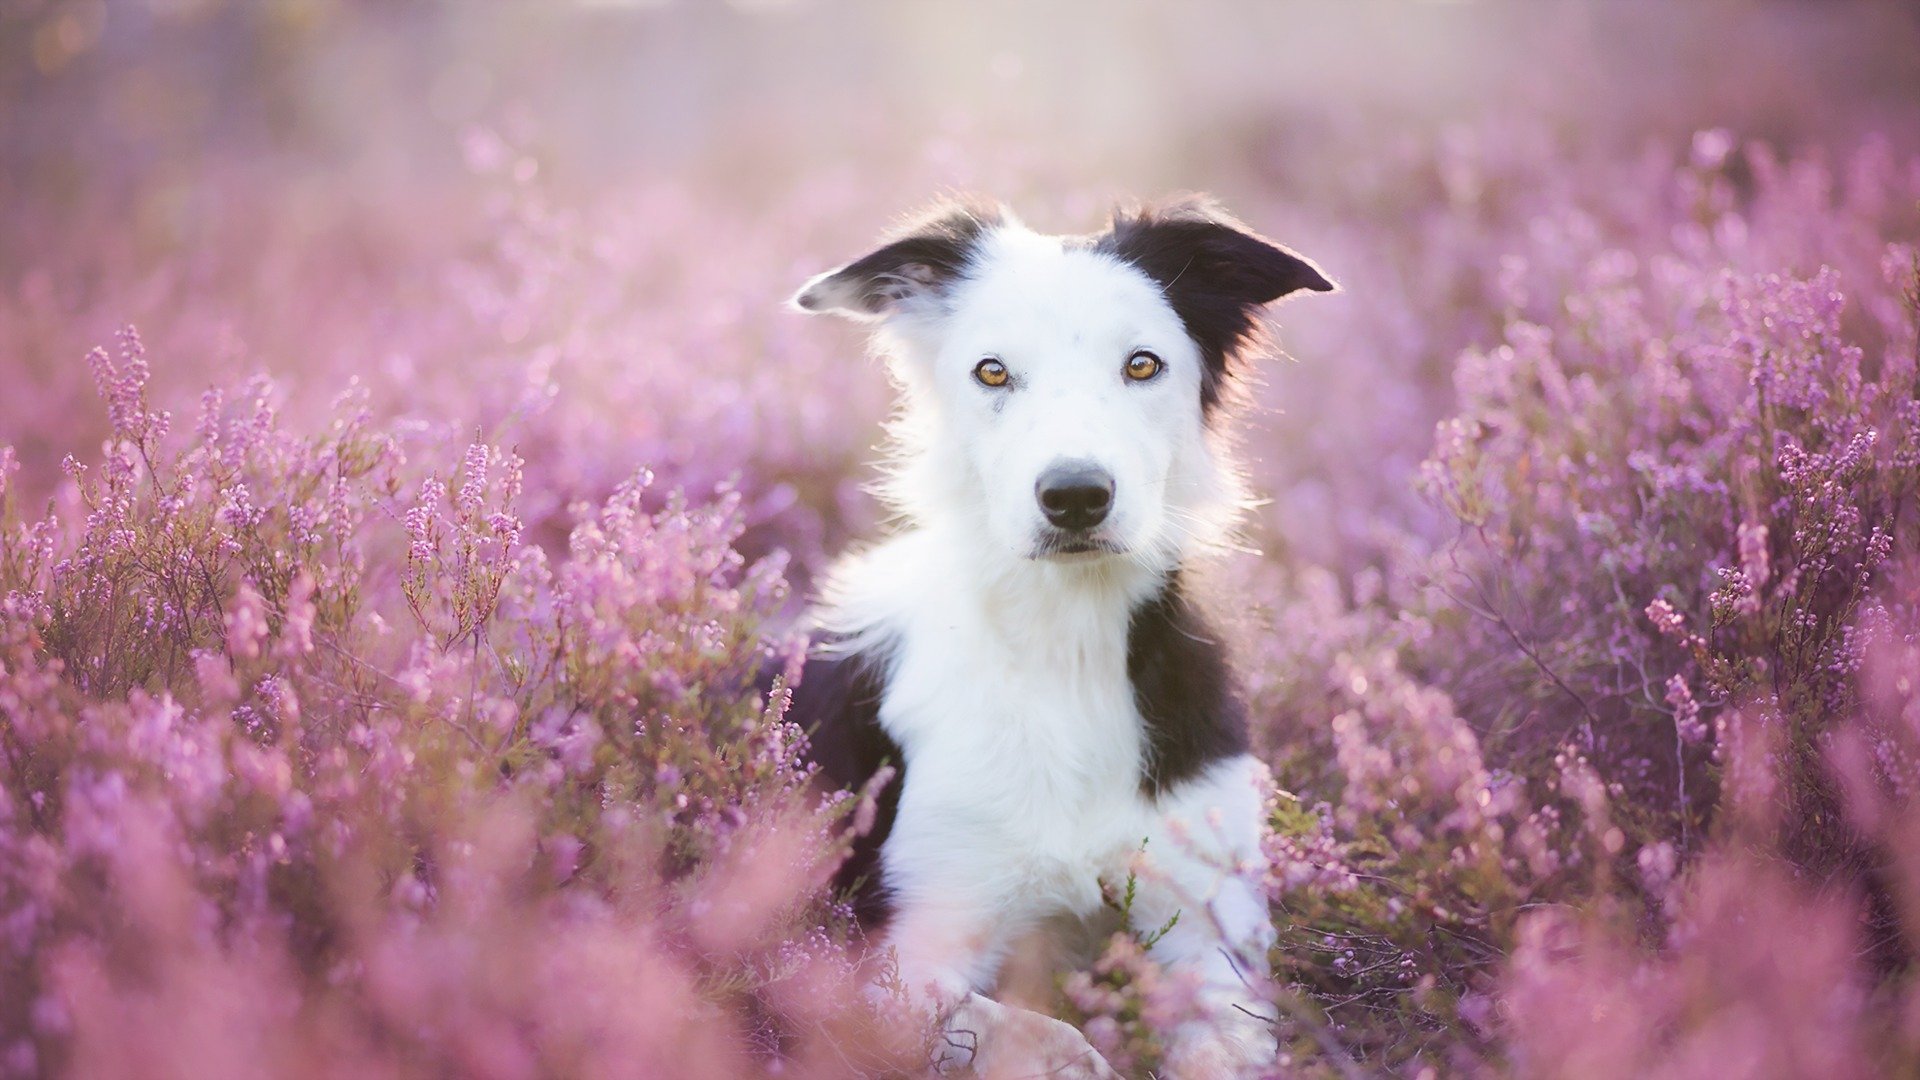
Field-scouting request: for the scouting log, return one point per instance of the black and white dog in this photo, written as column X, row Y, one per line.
column 1025, row 650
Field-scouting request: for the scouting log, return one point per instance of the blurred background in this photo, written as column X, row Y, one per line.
column 480, row 209
column 368, row 98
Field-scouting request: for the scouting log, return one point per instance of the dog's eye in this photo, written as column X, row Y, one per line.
column 991, row 372
column 1143, row 365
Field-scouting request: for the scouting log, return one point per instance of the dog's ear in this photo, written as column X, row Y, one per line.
column 916, row 264
column 1215, row 272
column 1198, row 253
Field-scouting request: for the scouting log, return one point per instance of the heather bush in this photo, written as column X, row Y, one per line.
column 303, row 746
column 1605, row 706
column 1674, row 509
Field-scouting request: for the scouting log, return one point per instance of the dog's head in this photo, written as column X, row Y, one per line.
column 1059, row 390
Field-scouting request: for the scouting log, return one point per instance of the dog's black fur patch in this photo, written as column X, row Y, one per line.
column 1215, row 273
column 1183, row 688
column 837, row 703
column 927, row 254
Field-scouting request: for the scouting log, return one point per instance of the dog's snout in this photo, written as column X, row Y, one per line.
column 1075, row 494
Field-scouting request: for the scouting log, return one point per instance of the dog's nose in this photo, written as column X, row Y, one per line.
column 1075, row 494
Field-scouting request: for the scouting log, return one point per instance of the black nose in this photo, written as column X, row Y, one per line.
column 1075, row 494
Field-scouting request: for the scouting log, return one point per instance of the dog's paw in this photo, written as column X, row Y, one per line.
column 1235, row 1046
column 1004, row 1042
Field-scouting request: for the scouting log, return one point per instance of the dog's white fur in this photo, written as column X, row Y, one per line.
column 1007, row 686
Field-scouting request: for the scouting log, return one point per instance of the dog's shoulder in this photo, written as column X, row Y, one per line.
column 869, row 592
column 1183, row 687
column 836, row 701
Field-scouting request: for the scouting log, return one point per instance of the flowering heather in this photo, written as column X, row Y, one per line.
column 241, row 796
column 386, row 625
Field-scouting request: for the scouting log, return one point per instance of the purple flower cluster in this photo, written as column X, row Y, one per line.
column 301, row 749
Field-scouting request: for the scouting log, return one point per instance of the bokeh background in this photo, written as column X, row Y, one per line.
column 322, row 185
column 381, row 615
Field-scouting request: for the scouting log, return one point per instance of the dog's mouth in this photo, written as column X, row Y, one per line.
column 1064, row 544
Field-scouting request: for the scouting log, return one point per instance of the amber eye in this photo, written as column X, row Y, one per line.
column 991, row 372
column 1143, row 365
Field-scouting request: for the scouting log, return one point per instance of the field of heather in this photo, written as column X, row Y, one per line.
column 407, row 464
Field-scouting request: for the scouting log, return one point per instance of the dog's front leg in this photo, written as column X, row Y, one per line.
column 1002, row 1042
column 1201, row 871
column 945, row 950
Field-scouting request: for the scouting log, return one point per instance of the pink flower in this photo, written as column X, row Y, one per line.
column 246, row 622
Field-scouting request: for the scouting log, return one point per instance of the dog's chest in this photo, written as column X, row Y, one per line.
column 1023, row 750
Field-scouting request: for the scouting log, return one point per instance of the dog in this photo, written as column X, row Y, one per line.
column 1027, row 651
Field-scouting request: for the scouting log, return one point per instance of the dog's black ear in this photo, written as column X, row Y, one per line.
column 916, row 263
column 1215, row 272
